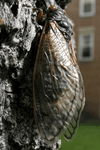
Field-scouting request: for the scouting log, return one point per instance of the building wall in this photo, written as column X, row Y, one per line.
column 90, row 70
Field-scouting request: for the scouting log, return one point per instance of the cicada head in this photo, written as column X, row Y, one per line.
column 52, row 7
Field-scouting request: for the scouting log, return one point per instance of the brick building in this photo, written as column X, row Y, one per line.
column 86, row 16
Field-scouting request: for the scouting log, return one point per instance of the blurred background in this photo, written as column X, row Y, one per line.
column 86, row 17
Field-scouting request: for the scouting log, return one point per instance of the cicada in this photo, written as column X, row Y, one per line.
column 58, row 90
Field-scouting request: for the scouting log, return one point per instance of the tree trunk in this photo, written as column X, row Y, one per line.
column 18, row 38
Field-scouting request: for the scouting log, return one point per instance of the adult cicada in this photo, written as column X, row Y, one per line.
column 58, row 89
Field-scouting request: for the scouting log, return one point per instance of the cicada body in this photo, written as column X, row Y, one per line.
column 58, row 89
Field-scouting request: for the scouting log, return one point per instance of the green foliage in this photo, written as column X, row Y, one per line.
column 86, row 138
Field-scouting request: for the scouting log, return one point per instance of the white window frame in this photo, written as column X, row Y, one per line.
column 84, row 32
column 87, row 14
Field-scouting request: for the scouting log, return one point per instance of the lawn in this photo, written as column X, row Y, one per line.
column 86, row 138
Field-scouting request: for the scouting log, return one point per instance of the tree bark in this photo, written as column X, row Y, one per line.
column 18, row 38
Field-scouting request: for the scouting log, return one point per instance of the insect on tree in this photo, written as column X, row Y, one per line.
column 58, row 90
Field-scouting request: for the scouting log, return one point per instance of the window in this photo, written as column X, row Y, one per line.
column 87, row 8
column 86, row 44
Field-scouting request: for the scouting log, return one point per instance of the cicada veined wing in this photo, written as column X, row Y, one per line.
column 58, row 89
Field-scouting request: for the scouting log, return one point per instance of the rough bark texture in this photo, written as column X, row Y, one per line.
column 18, row 38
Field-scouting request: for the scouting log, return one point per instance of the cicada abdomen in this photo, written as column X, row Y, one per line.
column 58, row 89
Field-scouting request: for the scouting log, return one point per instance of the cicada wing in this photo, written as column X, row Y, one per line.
column 56, row 87
column 80, row 99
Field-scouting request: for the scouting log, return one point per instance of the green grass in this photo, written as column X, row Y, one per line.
column 87, row 137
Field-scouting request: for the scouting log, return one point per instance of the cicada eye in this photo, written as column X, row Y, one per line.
column 39, row 16
column 52, row 7
column 1, row 21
